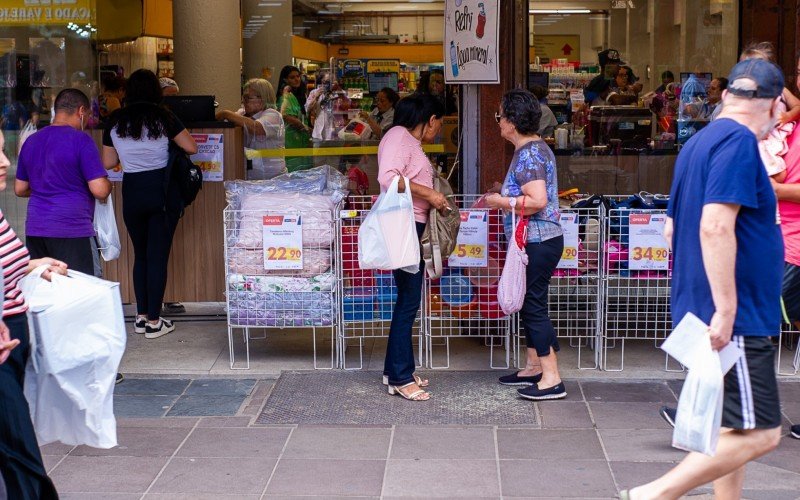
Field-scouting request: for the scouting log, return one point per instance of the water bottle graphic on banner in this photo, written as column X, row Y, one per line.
column 453, row 58
column 481, row 21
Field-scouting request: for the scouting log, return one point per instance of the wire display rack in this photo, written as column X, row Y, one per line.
column 636, row 283
column 368, row 296
column 789, row 340
column 260, row 299
column 463, row 302
column 575, row 295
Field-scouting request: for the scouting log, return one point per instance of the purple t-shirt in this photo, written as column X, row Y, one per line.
column 58, row 162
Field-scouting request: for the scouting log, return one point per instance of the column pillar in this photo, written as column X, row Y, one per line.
column 207, row 41
column 494, row 152
column 267, row 39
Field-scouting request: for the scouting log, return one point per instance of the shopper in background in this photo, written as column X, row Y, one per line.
column 721, row 214
column 262, row 124
column 61, row 172
column 548, row 121
column 111, row 98
column 531, row 189
column 21, row 463
column 314, row 101
column 715, row 89
column 291, row 105
column 623, row 90
column 382, row 117
column 433, row 83
column 666, row 78
column 168, row 86
column 138, row 136
column 417, row 120
column 609, row 62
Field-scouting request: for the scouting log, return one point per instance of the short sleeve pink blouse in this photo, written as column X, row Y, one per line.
column 400, row 153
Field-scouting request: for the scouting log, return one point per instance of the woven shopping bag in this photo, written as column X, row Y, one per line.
column 512, row 286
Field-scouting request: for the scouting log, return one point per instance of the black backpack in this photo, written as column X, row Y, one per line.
column 187, row 176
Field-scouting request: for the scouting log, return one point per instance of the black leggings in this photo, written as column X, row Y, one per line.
column 542, row 261
column 151, row 226
column 20, row 459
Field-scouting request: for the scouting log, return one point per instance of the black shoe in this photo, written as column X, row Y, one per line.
column 139, row 325
column 120, row 378
column 515, row 379
column 173, row 308
column 558, row 391
column 668, row 414
column 795, row 432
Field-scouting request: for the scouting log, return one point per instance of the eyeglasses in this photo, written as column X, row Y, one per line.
column 498, row 116
column 251, row 98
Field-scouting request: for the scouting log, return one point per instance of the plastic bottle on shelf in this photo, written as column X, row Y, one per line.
column 693, row 109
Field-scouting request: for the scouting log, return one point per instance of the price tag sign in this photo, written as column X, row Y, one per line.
column 648, row 248
column 569, row 257
column 473, row 240
column 283, row 242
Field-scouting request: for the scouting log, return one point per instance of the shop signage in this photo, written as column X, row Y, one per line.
column 648, row 248
column 32, row 12
column 550, row 47
column 383, row 66
column 283, row 242
column 470, row 41
column 351, row 68
column 472, row 241
column 569, row 257
column 209, row 156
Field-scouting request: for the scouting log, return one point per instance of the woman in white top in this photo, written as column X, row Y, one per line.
column 381, row 118
column 262, row 124
column 138, row 136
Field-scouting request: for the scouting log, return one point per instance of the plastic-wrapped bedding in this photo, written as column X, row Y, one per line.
column 290, row 309
column 316, row 211
column 243, row 283
column 250, row 261
column 323, row 180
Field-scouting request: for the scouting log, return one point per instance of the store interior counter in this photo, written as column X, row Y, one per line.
column 196, row 265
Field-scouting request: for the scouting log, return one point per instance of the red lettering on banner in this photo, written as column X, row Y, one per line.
column 464, row 216
column 640, row 219
column 273, row 220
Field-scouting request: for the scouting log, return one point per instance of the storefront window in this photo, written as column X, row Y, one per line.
column 613, row 78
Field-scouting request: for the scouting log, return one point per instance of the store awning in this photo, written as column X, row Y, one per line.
column 124, row 20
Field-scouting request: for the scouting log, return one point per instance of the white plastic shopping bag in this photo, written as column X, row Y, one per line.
column 77, row 335
column 387, row 239
column 699, row 415
column 105, row 225
column 513, row 282
column 28, row 130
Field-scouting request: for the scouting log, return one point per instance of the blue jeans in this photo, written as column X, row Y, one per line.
column 399, row 364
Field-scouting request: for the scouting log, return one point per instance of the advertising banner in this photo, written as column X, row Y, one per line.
column 470, row 41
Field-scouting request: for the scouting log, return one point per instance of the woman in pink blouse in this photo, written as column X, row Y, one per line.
column 417, row 120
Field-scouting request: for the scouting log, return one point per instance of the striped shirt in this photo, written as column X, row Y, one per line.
column 14, row 258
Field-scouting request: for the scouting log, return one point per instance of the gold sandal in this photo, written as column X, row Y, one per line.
column 419, row 380
column 417, row 395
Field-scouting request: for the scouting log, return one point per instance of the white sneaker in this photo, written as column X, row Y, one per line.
column 163, row 327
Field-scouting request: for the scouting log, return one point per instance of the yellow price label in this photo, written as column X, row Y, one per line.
column 657, row 254
column 283, row 253
column 473, row 251
column 569, row 253
column 348, row 214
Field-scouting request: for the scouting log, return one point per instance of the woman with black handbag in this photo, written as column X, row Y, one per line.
column 138, row 136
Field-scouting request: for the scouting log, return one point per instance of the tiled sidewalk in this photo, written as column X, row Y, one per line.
column 607, row 436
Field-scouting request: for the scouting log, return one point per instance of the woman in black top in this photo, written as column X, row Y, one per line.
column 138, row 137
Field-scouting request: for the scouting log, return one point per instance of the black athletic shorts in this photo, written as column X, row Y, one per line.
column 751, row 391
column 791, row 291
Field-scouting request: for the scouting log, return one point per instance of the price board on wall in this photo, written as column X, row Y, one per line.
column 283, row 242
column 647, row 247
column 569, row 257
column 472, row 241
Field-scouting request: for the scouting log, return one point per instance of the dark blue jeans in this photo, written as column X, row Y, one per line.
column 542, row 261
column 399, row 364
